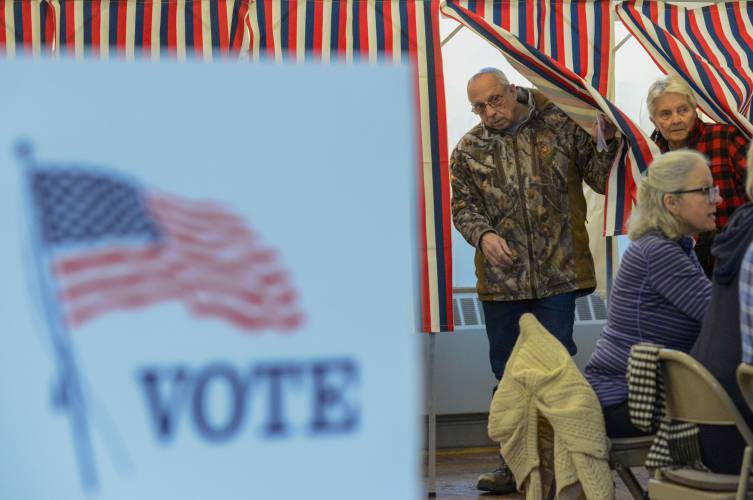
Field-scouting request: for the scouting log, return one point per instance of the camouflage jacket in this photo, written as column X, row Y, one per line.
column 527, row 187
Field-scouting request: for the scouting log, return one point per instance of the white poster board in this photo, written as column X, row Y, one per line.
column 208, row 281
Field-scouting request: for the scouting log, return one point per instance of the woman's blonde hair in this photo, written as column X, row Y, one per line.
column 666, row 174
column 670, row 84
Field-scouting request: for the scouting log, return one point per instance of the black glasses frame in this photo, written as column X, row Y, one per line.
column 711, row 192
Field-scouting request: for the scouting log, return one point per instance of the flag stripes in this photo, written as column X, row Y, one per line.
column 575, row 95
column 709, row 47
column 381, row 31
column 113, row 247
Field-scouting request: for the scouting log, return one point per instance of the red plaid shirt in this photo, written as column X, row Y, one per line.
column 725, row 147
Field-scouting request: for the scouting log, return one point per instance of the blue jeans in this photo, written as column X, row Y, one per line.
column 556, row 313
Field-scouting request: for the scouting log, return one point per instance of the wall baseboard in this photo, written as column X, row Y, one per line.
column 464, row 430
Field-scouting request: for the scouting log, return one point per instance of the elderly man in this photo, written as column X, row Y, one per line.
column 518, row 199
column 672, row 108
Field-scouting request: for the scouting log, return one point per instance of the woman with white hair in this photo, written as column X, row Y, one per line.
column 718, row 347
column 672, row 108
column 660, row 294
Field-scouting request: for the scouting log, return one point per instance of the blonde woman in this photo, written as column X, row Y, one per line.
column 660, row 294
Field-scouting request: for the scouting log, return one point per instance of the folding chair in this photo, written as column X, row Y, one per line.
column 694, row 395
column 626, row 453
column 745, row 382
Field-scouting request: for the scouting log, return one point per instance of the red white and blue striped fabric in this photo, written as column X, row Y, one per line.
column 556, row 28
column 543, row 34
column 26, row 28
column 710, row 47
column 392, row 32
column 150, row 28
column 125, row 28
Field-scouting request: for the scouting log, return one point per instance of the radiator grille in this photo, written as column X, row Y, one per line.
column 470, row 314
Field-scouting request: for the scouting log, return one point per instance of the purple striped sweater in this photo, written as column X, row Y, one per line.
column 660, row 296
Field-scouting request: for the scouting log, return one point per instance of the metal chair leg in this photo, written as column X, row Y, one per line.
column 633, row 486
column 742, row 490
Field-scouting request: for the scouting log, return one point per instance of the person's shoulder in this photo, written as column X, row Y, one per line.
column 653, row 242
column 653, row 252
column 472, row 139
column 719, row 129
column 543, row 105
column 549, row 113
column 722, row 127
column 546, row 111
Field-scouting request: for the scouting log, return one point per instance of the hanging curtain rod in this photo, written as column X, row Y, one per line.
column 449, row 37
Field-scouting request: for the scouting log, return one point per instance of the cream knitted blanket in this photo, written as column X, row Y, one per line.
column 541, row 380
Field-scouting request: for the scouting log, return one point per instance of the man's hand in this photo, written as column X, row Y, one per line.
column 608, row 129
column 495, row 250
column 603, row 125
column 602, row 131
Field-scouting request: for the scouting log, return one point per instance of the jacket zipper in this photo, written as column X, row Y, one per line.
column 525, row 215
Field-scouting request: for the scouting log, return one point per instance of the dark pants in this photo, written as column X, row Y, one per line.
column 617, row 422
column 703, row 252
column 556, row 313
column 722, row 448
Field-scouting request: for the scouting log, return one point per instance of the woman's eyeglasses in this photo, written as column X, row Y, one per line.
column 711, row 192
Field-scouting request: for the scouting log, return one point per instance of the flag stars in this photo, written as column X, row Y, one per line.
column 77, row 205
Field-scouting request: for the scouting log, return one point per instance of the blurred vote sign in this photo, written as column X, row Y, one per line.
column 208, row 281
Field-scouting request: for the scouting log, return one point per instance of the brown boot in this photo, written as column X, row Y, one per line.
column 500, row 480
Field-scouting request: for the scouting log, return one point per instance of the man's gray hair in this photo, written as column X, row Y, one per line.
column 670, row 84
column 497, row 73
column 666, row 174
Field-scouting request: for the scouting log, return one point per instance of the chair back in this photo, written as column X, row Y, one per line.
column 745, row 382
column 694, row 395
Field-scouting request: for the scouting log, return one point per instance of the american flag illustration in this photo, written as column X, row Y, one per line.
column 113, row 245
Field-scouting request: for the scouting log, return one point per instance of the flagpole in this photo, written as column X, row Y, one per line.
column 69, row 384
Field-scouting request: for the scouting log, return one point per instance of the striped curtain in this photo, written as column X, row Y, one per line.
column 710, row 47
column 557, row 28
column 392, row 31
column 541, row 41
column 26, row 28
column 124, row 28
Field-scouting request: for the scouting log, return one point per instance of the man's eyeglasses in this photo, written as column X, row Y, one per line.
column 496, row 101
column 711, row 192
